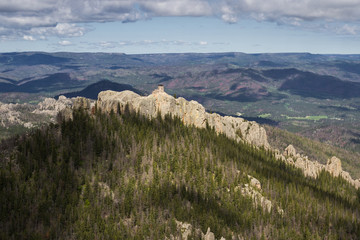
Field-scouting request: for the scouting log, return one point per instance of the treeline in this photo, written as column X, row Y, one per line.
column 123, row 176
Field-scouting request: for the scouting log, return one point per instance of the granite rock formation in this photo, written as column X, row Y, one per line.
column 313, row 168
column 193, row 113
column 190, row 112
column 51, row 106
column 333, row 166
column 253, row 190
column 188, row 230
column 12, row 114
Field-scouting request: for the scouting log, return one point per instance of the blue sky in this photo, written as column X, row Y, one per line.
column 164, row 26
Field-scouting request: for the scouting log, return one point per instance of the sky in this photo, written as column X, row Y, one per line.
column 175, row 26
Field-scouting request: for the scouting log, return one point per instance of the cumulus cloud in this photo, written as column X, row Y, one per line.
column 176, row 7
column 28, row 38
column 59, row 30
column 65, row 18
column 70, row 30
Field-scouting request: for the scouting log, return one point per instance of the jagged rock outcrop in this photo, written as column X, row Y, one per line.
column 29, row 115
column 13, row 114
column 193, row 113
column 290, row 151
column 310, row 168
column 81, row 102
column 313, row 168
column 187, row 230
column 209, row 235
column 190, row 112
column 253, row 190
column 333, row 166
column 257, row 198
column 52, row 107
column 254, row 182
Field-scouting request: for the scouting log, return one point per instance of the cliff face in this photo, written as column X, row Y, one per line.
column 190, row 112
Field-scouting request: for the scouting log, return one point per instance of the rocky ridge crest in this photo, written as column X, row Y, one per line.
column 190, row 112
column 30, row 115
column 188, row 230
column 193, row 113
column 12, row 114
column 313, row 168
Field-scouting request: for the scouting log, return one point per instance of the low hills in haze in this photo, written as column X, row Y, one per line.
column 93, row 90
column 49, row 83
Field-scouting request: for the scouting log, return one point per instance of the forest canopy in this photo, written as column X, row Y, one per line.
column 123, row 176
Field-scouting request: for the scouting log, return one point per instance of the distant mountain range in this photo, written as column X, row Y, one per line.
column 52, row 82
column 314, row 85
column 244, row 77
column 93, row 90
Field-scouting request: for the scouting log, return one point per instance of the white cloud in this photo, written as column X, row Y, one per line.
column 70, row 30
column 176, row 7
column 61, row 30
column 276, row 10
column 65, row 18
column 65, row 43
column 228, row 15
column 28, row 38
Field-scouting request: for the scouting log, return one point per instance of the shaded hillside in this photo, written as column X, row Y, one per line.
column 7, row 87
column 349, row 67
column 127, row 177
column 93, row 90
column 31, row 59
column 314, row 85
column 281, row 74
column 51, row 83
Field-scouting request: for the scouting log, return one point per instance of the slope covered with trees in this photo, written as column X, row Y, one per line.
column 122, row 176
column 315, row 150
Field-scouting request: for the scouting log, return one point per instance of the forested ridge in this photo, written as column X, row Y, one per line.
column 123, row 176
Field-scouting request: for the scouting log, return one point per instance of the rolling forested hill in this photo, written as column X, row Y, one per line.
column 123, row 176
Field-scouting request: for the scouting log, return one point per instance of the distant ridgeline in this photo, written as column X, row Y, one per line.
column 159, row 167
column 94, row 89
column 52, row 82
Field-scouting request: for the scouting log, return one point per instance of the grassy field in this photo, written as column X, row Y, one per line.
column 313, row 118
